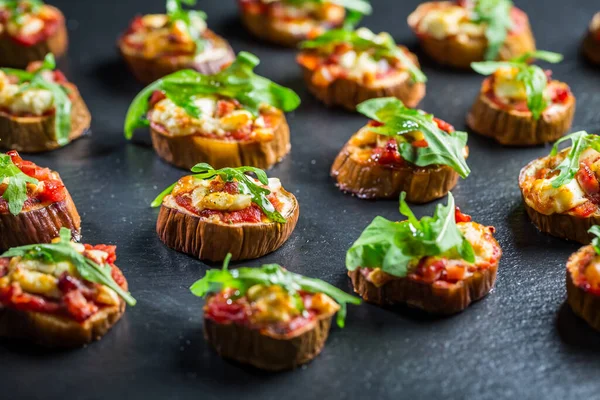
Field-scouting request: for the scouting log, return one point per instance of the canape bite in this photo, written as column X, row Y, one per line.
column 229, row 119
column 440, row 264
column 591, row 43
column 156, row 45
column 30, row 29
column 457, row 33
column 39, row 109
column 216, row 212
column 561, row 192
column 288, row 22
column 346, row 67
column 385, row 158
column 34, row 203
column 520, row 104
column 268, row 317
column 62, row 294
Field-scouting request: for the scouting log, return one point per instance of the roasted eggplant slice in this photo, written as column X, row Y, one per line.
column 216, row 212
column 439, row 264
column 457, row 33
column 272, row 326
column 55, row 295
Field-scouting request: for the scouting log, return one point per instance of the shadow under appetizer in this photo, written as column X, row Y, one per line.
column 61, row 294
column 457, row 33
column 561, row 192
column 39, row 109
column 591, row 43
column 30, row 29
column 583, row 281
column 156, row 45
column 216, row 212
column 439, row 264
column 520, row 104
column 288, row 22
column 230, row 119
column 345, row 67
column 401, row 150
column 34, row 203
column 268, row 317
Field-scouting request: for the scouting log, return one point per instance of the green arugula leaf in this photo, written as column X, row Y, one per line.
column 238, row 82
column 241, row 279
column 533, row 77
column 570, row 165
column 397, row 120
column 64, row 251
column 16, row 191
column 496, row 15
column 246, row 185
column 363, row 40
column 595, row 230
column 62, row 103
column 175, row 12
column 396, row 246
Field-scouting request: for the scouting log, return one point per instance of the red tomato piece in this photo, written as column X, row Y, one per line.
column 78, row 306
column 460, row 217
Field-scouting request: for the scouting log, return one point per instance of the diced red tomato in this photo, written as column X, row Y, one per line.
column 443, row 125
column 224, row 107
column 14, row 297
column 156, row 96
column 54, row 191
column 388, row 154
column 109, row 249
column 78, row 306
column 430, row 272
column 460, row 217
column 420, row 143
column 455, row 273
column 587, row 179
column 561, row 95
column 222, row 309
column 585, row 210
column 375, row 124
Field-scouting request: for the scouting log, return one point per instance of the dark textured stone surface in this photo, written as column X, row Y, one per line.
column 519, row 342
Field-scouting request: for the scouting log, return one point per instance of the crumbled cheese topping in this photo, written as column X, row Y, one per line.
column 30, row 101
column 449, row 20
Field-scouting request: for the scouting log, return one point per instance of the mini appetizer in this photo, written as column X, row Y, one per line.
column 268, row 317
column 457, row 33
column 39, row 109
column 583, row 281
column 591, row 43
column 288, row 22
column 61, row 294
column 229, row 119
column 156, row 45
column 401, row 150
column 346, row 67
column 520, row 104
column 561, row 192
column 440, row 264
column 34, row 203
column 216, row 212
column 30, row 29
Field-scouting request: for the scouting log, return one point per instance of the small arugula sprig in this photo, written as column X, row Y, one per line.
column 570, row 165
column 246, row 185
column 176, row 12
column 19, row 8
column 238, row 82
column 364, row 40
column 397, row 119
column 64, row 251
column 533, row 77
column 392, row 246
column 595, row 230
column 497, row 17
column 16, row 191
column 62, row 103
column 244, row 278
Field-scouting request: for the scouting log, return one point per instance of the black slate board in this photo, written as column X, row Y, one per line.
column 522, row 341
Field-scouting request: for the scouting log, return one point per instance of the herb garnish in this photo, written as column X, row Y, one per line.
column 595, row 230
column 62, row 103
column 243, row 278
column 497, row 17
column 397, row 119
column 238, row 82
column 175, row 12
column 533, row 77
column 570, row 165
column 16, row 192
column 392, row 246
column 19, row 8
column 246, row 185
column 64, row 251
column 364, row 40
